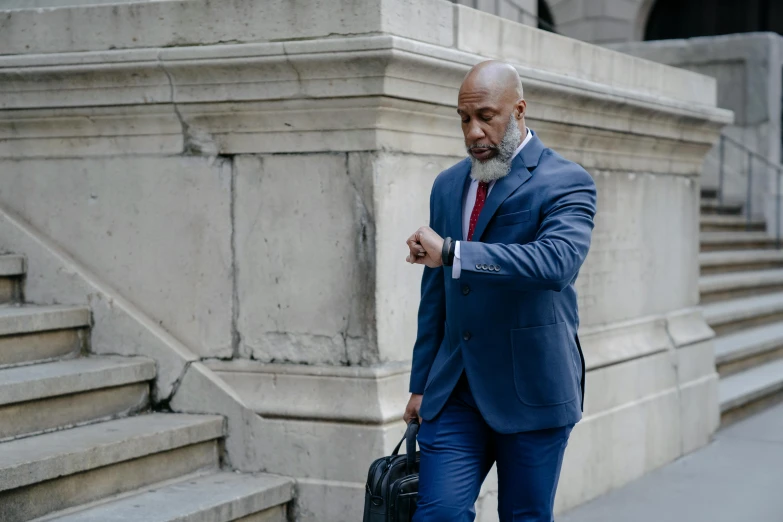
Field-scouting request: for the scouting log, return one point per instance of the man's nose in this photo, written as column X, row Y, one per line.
column 474, row 134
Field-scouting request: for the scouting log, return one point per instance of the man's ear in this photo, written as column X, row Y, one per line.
column 519, row 110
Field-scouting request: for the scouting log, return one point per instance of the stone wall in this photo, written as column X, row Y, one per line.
column 241, row 179
column 601, row 21
column 748, row 70
column 522, row 11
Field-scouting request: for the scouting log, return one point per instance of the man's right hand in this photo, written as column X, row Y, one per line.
column 412, row 410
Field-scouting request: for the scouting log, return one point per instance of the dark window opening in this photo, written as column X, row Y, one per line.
column 689, row 18
column 545, row 19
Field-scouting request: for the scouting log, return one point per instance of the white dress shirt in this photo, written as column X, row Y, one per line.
column 470, row 201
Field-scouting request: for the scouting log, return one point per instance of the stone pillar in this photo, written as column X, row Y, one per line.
column 253, row 199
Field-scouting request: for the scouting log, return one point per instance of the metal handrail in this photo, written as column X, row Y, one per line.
column 751, row 154
column 745, row 148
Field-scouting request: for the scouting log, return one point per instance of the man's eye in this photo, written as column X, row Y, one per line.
column 465, row 120
column 486, row 118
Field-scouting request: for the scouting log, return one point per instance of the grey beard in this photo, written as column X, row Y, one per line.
column 500, row 165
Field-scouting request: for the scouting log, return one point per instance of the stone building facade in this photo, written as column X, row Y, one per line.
column 228, row 187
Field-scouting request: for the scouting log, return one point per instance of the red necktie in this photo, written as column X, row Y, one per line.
column 481, row 197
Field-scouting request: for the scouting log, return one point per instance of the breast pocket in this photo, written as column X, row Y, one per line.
column 513, row 218
column 544, row 371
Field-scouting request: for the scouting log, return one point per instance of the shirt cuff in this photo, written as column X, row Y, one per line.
column 456, row 268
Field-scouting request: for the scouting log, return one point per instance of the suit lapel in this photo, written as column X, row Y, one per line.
column 456, row 198
column 523, row 163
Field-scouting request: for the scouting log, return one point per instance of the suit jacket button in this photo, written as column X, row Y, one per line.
column 497, row 268
column 466, row 336
column 483, row 267
column 465, row 289
column 478, row 267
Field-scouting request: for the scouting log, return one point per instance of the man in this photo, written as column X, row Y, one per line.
column 498, row 374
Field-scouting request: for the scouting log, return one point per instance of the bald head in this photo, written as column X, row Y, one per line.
column 492, row 110
column 494, row 76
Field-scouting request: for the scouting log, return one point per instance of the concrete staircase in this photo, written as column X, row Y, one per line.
column 741, row 288
column 78, row 441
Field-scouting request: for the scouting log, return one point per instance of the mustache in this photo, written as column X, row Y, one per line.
column 482, row 146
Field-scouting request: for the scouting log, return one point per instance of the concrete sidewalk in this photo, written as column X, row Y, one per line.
column 737, row 478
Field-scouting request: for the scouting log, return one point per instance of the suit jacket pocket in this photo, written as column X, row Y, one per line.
column 513, row 218
column 544, row 372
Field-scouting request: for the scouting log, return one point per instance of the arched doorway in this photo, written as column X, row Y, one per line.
column 688, row 18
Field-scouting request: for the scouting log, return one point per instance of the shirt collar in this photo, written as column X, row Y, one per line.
column 528, row 137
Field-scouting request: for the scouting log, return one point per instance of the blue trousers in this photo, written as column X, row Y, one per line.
column 457, row 451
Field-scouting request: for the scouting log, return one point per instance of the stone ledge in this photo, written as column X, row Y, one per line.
column 622, row 342
column 597, row 141
column 294, row 97
column 198, row 23
column 201, row 22
column 375, row 395
column 687, row 327
column 369, row 65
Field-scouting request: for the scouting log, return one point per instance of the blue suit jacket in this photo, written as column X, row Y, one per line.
column 510, row 321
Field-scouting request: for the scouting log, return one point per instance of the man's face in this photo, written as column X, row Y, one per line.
column 485, row 118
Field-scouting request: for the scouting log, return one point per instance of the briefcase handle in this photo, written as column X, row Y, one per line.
column 410, row 445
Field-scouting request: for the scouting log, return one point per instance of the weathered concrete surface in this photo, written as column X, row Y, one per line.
column 737, row 477
column 377, row 394
column 623, row 278
column 11, row 265
column 305, row 234
column 160, row 24
column 400, row 210
column 201, row 391
column 164, row 221
column 601, row 21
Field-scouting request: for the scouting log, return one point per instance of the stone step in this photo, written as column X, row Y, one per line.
column 719, row 287
column 62, row 469
column 61, row 394
column 711, row 206
column 714, row 241
column 717, row 223
column 748, row 348
column 216, row 497
column 39, row 333
column 750, row 391
column 736, row 314
column 739, row 260
column 12, row 271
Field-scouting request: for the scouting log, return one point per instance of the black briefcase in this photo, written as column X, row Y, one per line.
column 393, row 483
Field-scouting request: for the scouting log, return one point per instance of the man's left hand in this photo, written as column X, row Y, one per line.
column 426, row 248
